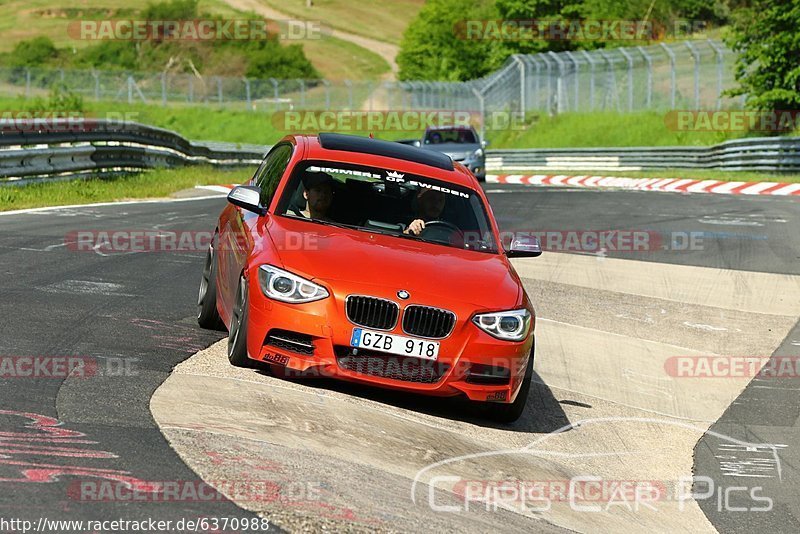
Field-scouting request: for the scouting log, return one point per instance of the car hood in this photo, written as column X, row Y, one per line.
column 330, row 254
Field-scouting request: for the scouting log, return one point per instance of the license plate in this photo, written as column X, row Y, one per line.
column 400, row 345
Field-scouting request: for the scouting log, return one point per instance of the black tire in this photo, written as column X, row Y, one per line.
column 207, row 314
column 237, row 336
column 508, row 413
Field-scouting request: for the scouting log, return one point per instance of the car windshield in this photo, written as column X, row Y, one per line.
column 386, row 201
column 455, row 135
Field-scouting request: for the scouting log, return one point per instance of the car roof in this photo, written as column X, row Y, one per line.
column 385, row 154
column 379, row 147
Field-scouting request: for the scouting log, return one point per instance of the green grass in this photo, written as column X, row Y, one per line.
column 378, row 19
column 157, row 183
column 204, row 122
column 693, row 174
column 572, row 130
column 338, row 60
column 213, row 122
column 24, row 19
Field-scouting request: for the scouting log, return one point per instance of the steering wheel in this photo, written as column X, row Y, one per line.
column 441, row 231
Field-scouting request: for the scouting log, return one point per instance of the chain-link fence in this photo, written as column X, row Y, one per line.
column 680, row 75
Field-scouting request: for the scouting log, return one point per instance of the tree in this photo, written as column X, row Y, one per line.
column 33, row 52
column 435, row 48
column 543, row 11
column 767, row 41
column 429, row 50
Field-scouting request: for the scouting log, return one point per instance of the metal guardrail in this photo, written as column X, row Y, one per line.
column 99, row 147
column 770, row 154
column 69, row 148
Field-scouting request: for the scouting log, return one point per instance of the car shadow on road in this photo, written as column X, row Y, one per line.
column 543, row 414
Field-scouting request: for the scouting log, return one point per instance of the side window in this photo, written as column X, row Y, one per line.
column 269, row 175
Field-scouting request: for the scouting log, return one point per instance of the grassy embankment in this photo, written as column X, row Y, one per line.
column 334, row 59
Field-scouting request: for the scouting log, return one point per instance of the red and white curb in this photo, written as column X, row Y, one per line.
column 674, row 185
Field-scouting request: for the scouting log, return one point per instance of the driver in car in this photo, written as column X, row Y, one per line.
column 318, row 193
column 430, row 205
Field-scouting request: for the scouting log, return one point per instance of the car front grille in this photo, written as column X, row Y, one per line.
column 290, row 341
column 372, row 312
column 403, row 368
column 424, row 321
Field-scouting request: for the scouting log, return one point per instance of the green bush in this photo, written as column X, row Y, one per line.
column 268, row 59
column 59, row 99
column 105, row 54
column 62, row 99
column 33, row 52
column 172, row 10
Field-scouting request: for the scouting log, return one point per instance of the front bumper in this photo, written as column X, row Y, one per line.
column 325, row 326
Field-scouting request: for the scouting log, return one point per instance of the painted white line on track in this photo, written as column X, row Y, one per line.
column 100, row 204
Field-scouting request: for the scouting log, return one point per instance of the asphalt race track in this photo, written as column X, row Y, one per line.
column 134, row 311
column 717, row 275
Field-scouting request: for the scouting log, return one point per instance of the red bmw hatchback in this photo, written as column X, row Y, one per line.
column 373, row 262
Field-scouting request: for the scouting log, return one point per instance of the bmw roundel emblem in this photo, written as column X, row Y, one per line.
column 403, row 294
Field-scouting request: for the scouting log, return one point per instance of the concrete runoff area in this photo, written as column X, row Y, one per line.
column 607, row 410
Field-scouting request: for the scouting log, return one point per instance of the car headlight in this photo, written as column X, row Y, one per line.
column 478, row 153
column 287, row 287
column 511, row 325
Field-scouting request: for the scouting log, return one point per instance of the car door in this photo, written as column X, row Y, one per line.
column 229, row 221
column 240, row 234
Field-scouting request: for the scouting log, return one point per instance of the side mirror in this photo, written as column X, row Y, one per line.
column 484, row 143
column 525, row 247
column 247, row 197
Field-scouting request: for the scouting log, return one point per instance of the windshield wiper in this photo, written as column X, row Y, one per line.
column 393, row 234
